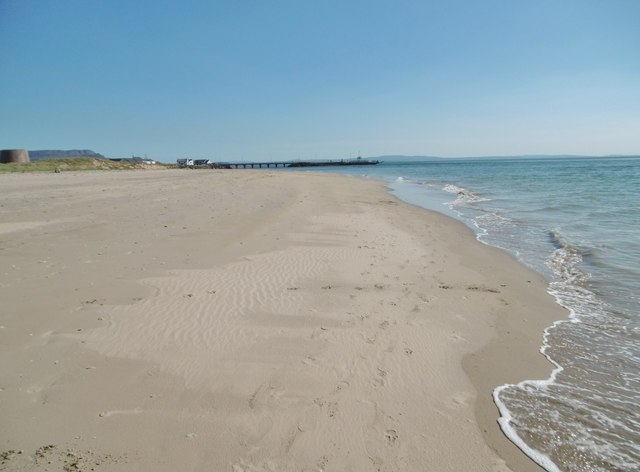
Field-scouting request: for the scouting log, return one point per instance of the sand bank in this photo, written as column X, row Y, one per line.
column 253, row 320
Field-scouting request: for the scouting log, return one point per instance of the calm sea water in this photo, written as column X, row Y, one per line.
column 576, row 221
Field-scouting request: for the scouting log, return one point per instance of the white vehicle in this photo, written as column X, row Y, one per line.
column 185, row 162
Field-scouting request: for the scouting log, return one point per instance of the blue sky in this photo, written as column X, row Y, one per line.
column 243, row 79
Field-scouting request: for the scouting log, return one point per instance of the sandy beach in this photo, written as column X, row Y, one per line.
column 253, row 321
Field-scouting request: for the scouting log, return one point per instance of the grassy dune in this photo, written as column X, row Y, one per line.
column 74, row 164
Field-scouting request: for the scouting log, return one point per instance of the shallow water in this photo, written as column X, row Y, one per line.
column 576, row 221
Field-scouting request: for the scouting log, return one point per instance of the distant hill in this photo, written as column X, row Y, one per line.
column 400, row 157
column 58, row 154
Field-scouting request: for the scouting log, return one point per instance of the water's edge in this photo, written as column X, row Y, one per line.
column 573, row 223
column 505, row 415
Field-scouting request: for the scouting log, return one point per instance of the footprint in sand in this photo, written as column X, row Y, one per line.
column 322, row 463
column 310, row 361
column 332, row 409
column 391, row 435
column 380, row 377
column 482, row 289
column 341, row 385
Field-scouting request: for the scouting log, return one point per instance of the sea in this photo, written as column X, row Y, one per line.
column 575, row 220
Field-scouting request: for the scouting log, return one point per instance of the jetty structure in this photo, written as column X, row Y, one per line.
column 259, row 165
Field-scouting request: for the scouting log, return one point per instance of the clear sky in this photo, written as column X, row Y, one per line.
column 260, row 79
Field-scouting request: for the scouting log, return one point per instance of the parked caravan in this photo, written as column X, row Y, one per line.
column 185, row 162
column 202, row 163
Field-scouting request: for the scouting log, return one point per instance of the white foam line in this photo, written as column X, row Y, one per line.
column 504, row 421
column 538, row 457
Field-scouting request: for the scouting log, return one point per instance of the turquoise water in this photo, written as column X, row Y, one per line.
column 576, row 221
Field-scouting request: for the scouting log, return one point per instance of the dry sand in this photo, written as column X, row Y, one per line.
column 250, row 321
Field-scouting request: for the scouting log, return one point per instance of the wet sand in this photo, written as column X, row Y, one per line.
column 253, row 320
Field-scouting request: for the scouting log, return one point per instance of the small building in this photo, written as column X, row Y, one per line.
column 142, row 160
column 9, row 156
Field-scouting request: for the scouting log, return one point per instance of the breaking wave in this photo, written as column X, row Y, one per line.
column 463, row 195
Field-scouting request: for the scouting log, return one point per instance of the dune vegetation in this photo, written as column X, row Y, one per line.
column 75, row 164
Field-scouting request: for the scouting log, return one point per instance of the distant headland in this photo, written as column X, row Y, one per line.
column 60, row 154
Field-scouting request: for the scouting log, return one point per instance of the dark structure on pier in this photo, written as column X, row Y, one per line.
column 352, row 162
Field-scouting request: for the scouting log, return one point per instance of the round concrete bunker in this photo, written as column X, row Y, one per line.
column 8, row 156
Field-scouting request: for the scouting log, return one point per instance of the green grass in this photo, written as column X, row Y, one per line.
column 72, row 164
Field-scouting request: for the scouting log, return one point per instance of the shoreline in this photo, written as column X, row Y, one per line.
column 524, row 335
column 347, row 355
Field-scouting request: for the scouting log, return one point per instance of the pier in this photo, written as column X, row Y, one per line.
column 249, row 165
column 259, row 165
